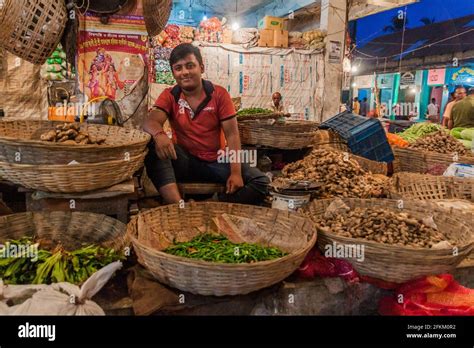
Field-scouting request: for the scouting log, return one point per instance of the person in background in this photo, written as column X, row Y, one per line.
column 462, row 114
column 276, row 104
column 459, row 94
column 433, row 111
column 364, row 107
column 198, row 111
column 356, row 106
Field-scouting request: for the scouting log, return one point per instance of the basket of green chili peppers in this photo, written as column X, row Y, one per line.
column 180, row 248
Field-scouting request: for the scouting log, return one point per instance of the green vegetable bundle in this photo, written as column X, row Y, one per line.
column 253, row 111
column 419, row 130
column 54, row 266
column 464, row 135
column 217, row 248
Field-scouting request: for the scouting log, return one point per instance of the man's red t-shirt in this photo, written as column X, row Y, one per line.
column 198, row 132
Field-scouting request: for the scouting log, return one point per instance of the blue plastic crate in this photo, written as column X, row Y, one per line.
column 365, row 136
column 345, row 123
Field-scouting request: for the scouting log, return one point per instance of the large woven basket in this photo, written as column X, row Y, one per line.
column 71, row 178
column 289, row 135
column 396, row 263
column 31, row 29
column 431, row 187
column 20, row 144
column 326, row 138
column 371, row 166
column 156, row 229
column 71, row 229
column 416, row 161
column 156, row 14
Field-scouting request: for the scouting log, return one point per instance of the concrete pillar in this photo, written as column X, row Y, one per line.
column 333, row 20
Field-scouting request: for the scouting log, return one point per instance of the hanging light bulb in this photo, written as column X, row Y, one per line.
column 235, row 26
column 204, row 18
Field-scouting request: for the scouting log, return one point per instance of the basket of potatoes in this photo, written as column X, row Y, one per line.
column 392, row 240
column 69, row 157
column 50, row 142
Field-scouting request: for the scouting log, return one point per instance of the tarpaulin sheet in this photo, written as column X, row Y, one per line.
column 255, row 74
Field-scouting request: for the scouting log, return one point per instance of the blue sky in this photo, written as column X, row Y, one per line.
column 372, row 26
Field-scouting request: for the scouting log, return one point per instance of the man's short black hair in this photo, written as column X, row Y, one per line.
column 433, row 100
column 182, row 51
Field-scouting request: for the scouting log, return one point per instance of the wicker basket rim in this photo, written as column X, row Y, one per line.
column 46, row 144
column 393, row 248
column 388, row 247
column 430, row 153
column 51, row 167
column 205, row 264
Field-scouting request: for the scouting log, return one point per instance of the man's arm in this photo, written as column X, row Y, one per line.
column 231, row 132
column 153, row 125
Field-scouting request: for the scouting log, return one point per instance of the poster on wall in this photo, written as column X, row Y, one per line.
column 436, row 77
column 335, row 49
column 111, row 58
column 407, row 79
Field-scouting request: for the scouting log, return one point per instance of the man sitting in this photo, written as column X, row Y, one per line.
column 198, row 110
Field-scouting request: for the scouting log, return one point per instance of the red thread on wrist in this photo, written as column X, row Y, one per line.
column 159, row 132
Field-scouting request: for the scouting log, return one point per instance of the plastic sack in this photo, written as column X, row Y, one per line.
column 58, row 298
column 437, row 295
column 460, row 170
column 316, row 264
column 244, row 36
column 212, row 24
column 55, row 68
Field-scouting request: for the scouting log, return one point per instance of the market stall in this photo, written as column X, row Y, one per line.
column 347, row 207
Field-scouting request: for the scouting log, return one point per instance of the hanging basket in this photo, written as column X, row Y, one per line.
column 31, row 29
column 156, row 14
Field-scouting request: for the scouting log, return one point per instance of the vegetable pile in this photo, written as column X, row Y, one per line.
column 396, row 140
column 419, row 130
column 70, row 133
column 464, row 135
column 381, row 226
column 218, row 248
column 440, row 142
column 253, row 111
column 58, row 265
column 339, row 174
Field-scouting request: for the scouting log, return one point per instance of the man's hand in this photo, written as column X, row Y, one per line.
column 234, row 183
column 164, row 147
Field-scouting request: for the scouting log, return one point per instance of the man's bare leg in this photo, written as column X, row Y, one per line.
column 170, row 193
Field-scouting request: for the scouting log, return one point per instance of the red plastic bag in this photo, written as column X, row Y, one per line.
column 316, row 264
column 432, row 295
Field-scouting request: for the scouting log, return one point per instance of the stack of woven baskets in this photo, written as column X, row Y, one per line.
column 55, row 167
